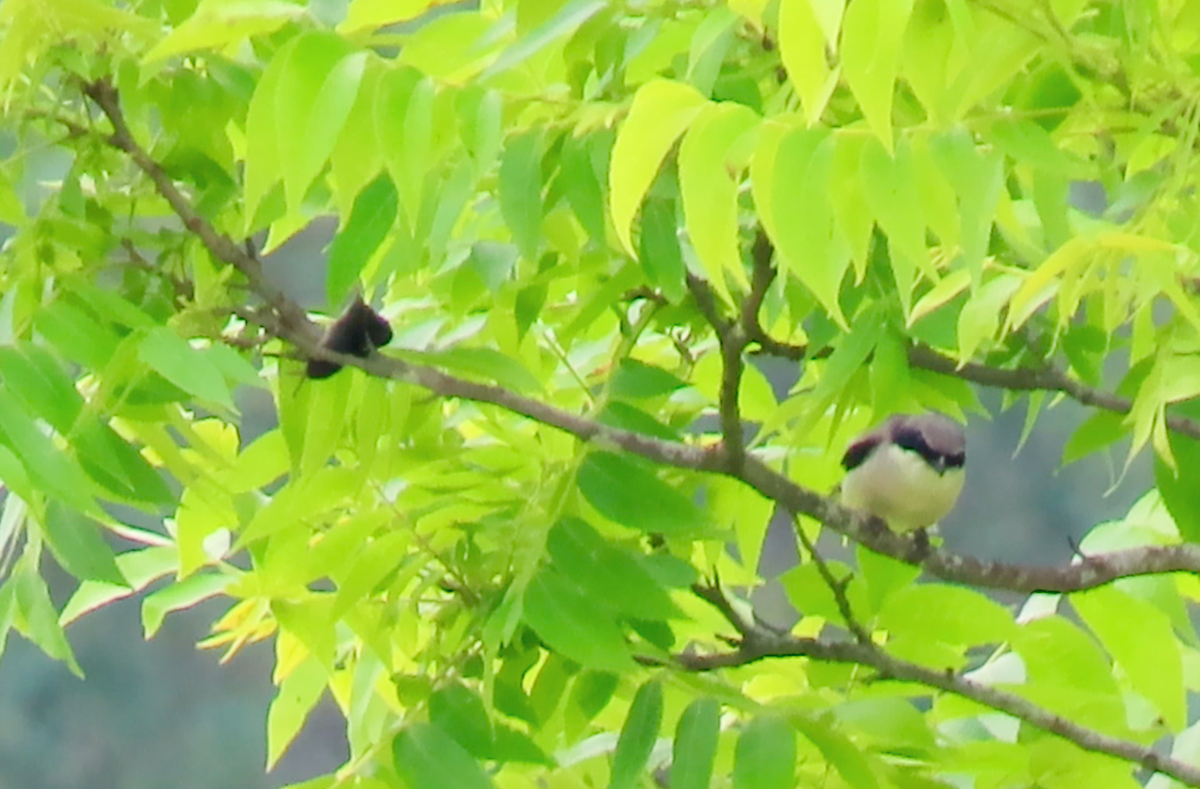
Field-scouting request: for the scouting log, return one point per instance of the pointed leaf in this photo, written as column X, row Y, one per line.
column 765, row 757
column 79, row 546
column 428, row 758
column 662, row 110
column 573, row 624
column 712, row 152
column 871, row 36
column 638, row 736
column 695, row 747
column 373, row 215
column 1140, row 638
column 521, row 191
column 626, row 490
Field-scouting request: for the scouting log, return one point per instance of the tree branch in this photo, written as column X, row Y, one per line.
column 289, row 321
column 836, row 587
column 1021, row 379
column 769, row 645
column 733, row 342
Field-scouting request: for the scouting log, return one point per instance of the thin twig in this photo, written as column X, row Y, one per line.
column 836, row 587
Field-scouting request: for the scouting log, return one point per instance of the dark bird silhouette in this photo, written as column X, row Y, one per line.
column 358, row 332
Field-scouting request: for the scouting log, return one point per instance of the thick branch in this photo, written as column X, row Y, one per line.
column 295, row 326
column 291, row 323
column 733, row 342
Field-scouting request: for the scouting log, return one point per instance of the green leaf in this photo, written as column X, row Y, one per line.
column 45, row 389
column 184, row 366
column 979, row 319
column 894, row 722
column 564, row 22
column 263, row 167
column 184, row 594
column 1028, row 143
column 1056, row 651
column 313, row 98
column 37, row 619
column 848, row 193
column 1140, row 638
column 408, row 153
column 327, row 405
column 218, row 23
column 459, row 712
column 638, row 736
column 582, row 188
column 658, row 249
column 802, row 49
column 607, row 574
column 896, row 204
column 636, row 380
column 428, row 758
column 48, row 468
column 76, row 334
column 521, row 191
column 298, row 694
column 356, row 158
column 591, row 691
column 571, row 623
column 977, row 179
column 871, row 36
column 140, row 567
column 516, row 746
column 695, row 747
column 627, row 491
column 715, row 147
column 485, row 363
column 1178, row 489
column 949, row 614
column 839, row 750
column 661, row 111
column 78, row 545
column 883, row 575
column 373, row 215
column 812, row 250
column 765, row 757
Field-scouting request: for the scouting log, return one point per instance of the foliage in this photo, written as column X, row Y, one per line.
column 506, row 549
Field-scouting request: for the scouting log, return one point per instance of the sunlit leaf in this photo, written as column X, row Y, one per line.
column 871, row 35
column 662, row 110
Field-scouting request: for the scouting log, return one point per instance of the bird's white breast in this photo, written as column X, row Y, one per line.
column 900, row 487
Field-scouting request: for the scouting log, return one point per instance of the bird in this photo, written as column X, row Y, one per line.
column 909, row 471
column 358, row 332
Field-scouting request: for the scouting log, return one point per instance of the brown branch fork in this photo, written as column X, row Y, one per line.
column 753, row 642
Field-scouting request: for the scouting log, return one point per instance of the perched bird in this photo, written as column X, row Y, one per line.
column 358, row 332
column 908, row 471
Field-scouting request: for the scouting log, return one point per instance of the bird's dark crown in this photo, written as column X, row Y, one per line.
column 934, row 437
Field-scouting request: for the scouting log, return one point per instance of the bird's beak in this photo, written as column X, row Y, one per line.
column 939, row 465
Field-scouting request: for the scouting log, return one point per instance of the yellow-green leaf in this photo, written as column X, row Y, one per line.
column 802, row 49
column 661, row 111
column 219, row 23
column 871, row 36
column 713, row 149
